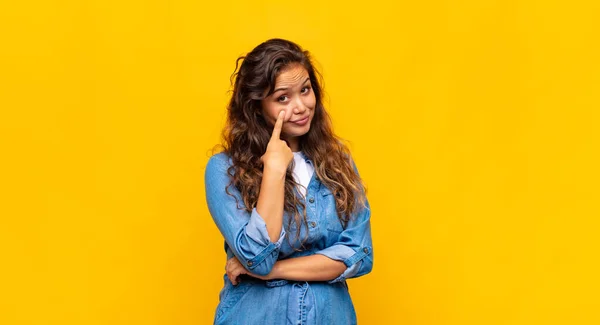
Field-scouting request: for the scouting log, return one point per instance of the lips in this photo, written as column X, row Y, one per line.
column 302, row 120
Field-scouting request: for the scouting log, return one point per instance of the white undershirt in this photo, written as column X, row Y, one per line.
column 303, row 171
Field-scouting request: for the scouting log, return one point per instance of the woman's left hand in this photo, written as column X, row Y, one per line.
column 234, row 269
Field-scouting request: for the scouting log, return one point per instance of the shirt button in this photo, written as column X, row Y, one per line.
column 366, row 250
column 249, row 263
column 311, row 200
column 313, row 224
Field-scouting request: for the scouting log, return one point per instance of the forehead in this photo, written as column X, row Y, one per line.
column 291, row 75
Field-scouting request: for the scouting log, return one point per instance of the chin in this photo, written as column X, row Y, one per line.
column 299, row 131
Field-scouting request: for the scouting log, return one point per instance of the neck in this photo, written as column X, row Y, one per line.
column 294, row 143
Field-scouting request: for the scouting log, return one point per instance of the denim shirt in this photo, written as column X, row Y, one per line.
column 254, row 301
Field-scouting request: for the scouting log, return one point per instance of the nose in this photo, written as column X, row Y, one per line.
column 299, row 108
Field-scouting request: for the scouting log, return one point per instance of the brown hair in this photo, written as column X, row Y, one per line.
column 246, row 134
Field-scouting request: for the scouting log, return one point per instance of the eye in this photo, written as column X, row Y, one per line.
column 305, row 89
column 282, row 98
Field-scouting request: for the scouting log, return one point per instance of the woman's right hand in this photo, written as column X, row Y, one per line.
column 278, row 155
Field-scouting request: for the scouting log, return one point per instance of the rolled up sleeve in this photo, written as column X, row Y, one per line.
column 244, row 232
column 354, row 246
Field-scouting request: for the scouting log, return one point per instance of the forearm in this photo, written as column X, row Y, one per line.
column 307, row 268
column 270, row 201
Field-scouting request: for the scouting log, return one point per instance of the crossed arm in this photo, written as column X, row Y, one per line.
column 306, row 268
column 255, row 237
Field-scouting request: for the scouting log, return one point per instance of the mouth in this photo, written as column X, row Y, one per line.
column 301, row 121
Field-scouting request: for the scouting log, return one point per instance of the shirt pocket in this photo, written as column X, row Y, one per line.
column 333, row 223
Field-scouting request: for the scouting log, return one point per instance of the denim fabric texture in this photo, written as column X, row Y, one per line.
column 254, row 301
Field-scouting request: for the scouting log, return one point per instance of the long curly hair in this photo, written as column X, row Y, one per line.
column 246, row 135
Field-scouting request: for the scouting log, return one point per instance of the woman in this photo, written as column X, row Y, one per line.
column 287, row 198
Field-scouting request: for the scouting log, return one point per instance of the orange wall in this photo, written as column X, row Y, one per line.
column 474, row 123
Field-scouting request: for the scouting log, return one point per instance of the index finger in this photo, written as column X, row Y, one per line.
column 278, row 125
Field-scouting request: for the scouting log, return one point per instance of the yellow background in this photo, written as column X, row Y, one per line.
column 475, row 125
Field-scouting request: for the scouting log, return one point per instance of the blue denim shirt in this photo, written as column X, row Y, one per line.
column 278, row 302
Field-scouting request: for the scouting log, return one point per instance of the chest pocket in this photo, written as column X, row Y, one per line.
column 334, row 225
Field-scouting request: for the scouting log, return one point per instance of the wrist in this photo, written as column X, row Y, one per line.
column 273, row 173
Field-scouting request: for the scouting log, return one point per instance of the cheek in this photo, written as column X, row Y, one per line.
column 288, row 112
column 270, row 111
column 276, row 108
column 310, row 101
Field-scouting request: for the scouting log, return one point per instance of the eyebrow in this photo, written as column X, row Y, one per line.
column 284, row 88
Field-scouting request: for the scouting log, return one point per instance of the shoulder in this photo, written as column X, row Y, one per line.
column 218, row 164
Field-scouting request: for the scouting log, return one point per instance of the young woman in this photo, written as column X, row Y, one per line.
column 287, row 197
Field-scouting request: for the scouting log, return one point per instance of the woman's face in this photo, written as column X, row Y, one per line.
column 293, row 94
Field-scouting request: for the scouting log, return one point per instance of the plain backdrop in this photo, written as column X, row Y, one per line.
column 475, row 125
